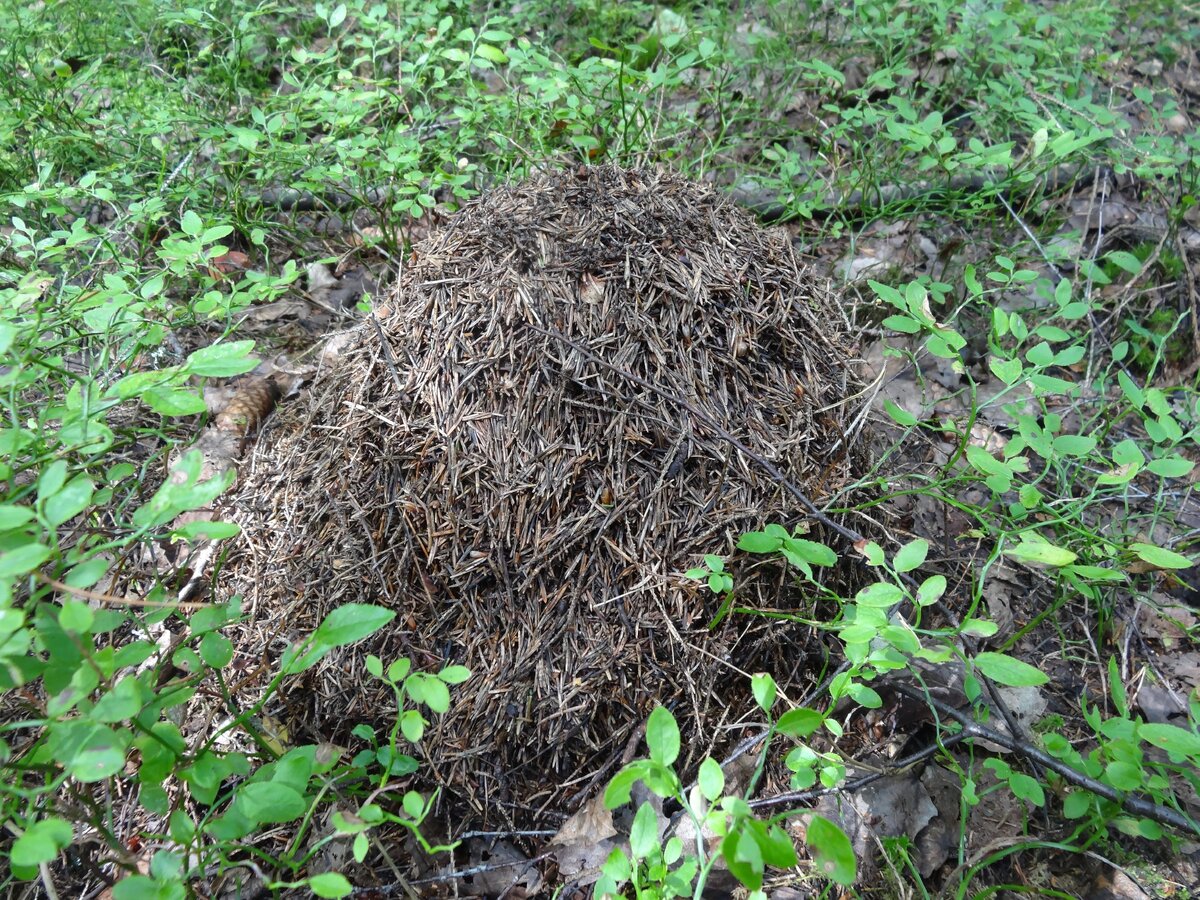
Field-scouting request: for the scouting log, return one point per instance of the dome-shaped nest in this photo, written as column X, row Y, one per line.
column 577, row 389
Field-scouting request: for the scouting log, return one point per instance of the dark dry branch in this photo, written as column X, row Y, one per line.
column 479, row 462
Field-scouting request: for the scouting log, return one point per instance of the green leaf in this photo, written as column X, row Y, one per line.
column 1170, row 467
column 743, row 856
column 41, row 842
column 454, row 674
column 931, row 590
column 1125, row 260
column 221, row 360
column 903, row 324
column 491, row 53
column 1124, row 776
column 270, row 802
column 348, row 623
column 979, row 627
column 182, row 491
column 1132, row 392
column 811, row 551
column 898, row 414
column 1062, row 292
column 1007, row 370
column 643, row 834
column 88, row 750
column 142, row 887
column 662, row 736
column 414, row 804
column 911, row 555
column 943, row 344
column 902, row 638
column 972, row 281
column 23, row 559
column 763, row 687
column 1040, row 354
column 173, row 402
column 191, row 223
column 88, row 572
column 1069, row 356
column 1160, row 557
column 206, row 529
column 800, row 722
column 1077, row 804
column 68, row 502
column 775, row 844
column 873, row 553
column 1095, row 573
column 14, row 516
column 412, row 726
column 1007, row 670
column 1040, row 553
column 888, row 294
column 617, row 868
column 331, row 884
column 1089, row 269
column 76, row 617
column 399, row 669
column 759, row 542
column 1171, row 738
column 181, row 827
column 124, row 701
column 434, row 692
column 1074, row 444
column 711, row 779
column 1053, row 333
column 831, row 851
column 216, row 650
column 864, row 695
column 619, row 788
column 880, row 595
column 1024, row 787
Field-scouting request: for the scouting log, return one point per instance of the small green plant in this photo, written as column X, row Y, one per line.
column 726, row 828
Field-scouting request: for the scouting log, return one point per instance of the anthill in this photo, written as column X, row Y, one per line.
column 578, row 388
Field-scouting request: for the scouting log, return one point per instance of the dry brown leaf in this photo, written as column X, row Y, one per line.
column 890, row 807
column 584, row 842
column 499, row 869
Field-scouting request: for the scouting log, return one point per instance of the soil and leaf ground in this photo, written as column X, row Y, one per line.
column 1004, row 194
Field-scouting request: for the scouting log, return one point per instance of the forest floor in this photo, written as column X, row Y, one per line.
column 202, row 203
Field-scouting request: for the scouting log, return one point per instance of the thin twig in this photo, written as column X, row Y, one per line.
column 1132, row 802
column 119, row 601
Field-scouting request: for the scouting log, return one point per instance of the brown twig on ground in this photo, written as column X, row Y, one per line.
column 973, row 729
